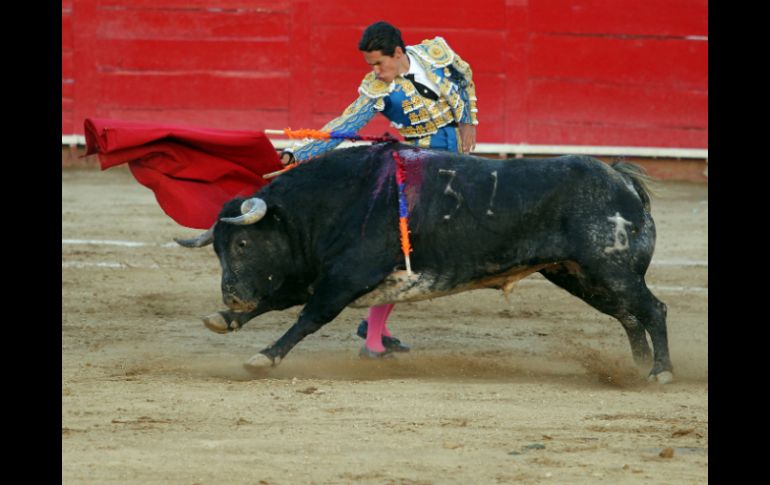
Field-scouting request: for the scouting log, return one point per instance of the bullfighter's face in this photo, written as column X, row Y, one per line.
column 387, row 68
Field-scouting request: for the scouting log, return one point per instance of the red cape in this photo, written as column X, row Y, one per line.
column 193, row 171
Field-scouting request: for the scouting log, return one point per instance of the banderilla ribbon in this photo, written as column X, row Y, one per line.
column 403, row 211
column 330, row 135
column 403, row 207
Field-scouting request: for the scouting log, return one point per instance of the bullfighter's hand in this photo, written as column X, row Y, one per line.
column 286, row 158
column 467, row 137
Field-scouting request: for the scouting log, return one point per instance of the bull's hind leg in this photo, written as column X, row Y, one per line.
column 625, row 296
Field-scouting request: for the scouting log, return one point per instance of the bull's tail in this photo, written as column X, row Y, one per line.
column 639, row 179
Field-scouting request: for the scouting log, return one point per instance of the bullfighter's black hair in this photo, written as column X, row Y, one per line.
column 383, row 37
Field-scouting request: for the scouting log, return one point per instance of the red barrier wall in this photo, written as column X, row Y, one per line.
column 553, row 72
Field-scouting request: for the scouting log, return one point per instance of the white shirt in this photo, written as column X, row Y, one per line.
column 420, row 76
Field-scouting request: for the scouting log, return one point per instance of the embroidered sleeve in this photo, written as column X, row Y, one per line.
column 438, row 53
column 467, row 90
column 355, row 117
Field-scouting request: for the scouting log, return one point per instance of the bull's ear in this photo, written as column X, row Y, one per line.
column 198, row 242
column 252, row 210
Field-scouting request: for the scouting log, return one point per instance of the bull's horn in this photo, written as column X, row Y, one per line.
column 198, row 242
column 252, row 209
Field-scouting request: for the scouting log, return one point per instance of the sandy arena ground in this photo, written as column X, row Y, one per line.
column 535, row 388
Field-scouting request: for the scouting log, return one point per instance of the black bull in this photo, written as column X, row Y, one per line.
column 326, row 235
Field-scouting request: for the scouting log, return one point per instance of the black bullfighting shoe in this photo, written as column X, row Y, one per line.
column 391, row 344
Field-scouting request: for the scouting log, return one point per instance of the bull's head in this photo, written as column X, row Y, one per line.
column 252, row 210
column 253, row 253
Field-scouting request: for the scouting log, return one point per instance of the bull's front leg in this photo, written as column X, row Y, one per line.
column 331, row 296
column 272, row 355
column 229, row 320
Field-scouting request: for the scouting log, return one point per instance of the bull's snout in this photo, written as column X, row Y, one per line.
column 237, row 304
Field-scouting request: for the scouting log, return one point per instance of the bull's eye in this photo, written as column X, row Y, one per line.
column 242, row 243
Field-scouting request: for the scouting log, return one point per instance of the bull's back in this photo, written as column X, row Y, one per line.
column 473, row 222
column 484, row 215
column 480, row 223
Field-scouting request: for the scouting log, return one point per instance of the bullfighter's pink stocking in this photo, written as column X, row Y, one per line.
column 385, row 330
column 376, row 326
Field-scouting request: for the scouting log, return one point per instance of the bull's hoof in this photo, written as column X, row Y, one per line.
column 216, row 323
column 662, row 377
column 365, row 353
column 259, row 362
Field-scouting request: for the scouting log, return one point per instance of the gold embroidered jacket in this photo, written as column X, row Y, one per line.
column 417, row 118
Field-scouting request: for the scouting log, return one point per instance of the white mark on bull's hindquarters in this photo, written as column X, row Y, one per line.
column 450, row 191
column 494, row 192
column 621, row 236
